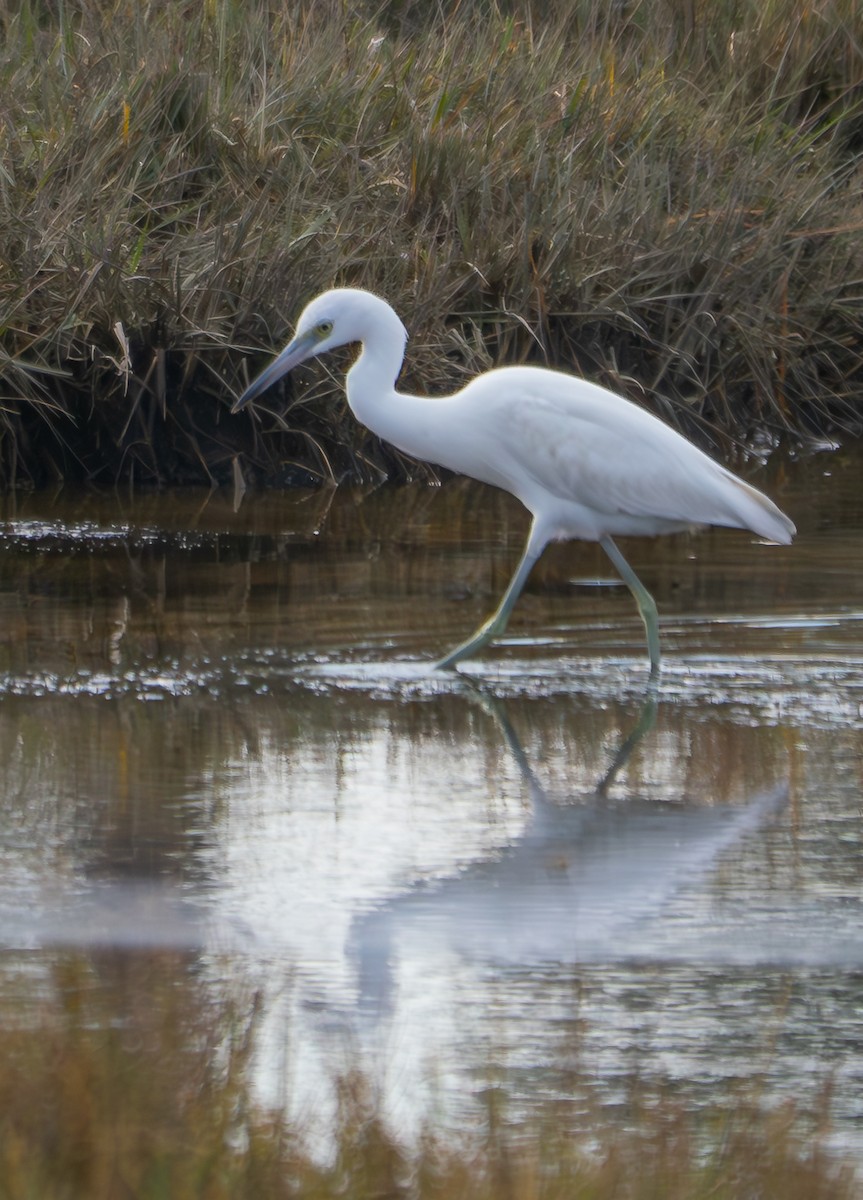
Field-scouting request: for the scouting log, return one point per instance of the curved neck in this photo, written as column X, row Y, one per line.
column 371, row 381
column 416, row 425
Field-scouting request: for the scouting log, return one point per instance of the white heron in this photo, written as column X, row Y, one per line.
column 585, row 462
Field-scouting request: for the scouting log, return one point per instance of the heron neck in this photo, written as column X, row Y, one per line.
column 371, row 386
column 416, row 425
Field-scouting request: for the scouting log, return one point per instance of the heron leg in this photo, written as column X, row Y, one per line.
column 644, row 600
column 496, row 623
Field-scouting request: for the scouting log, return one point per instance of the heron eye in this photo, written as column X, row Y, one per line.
column 325, row 328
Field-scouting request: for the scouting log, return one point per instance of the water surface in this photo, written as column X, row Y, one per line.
column 223, row 739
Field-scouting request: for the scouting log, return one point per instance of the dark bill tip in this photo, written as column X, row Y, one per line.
column 295, row 352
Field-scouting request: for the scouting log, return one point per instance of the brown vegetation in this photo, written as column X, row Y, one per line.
column 132, row 1079
column 664, row 197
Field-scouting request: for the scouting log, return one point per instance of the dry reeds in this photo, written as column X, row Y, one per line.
column 132, row 1077
column 665, row 197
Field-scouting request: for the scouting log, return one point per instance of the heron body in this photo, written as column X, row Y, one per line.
column 585, row 462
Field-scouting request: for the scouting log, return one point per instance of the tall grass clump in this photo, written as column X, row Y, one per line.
column 132, row 1077
column 665, row 197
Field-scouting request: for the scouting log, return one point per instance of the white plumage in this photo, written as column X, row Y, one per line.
column 584, row 461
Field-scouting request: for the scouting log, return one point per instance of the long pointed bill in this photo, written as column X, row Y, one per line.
column 295, row 352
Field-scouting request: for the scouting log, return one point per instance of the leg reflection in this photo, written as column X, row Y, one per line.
column 496, row 708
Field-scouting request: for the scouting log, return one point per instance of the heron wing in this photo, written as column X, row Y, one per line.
column 583, row 444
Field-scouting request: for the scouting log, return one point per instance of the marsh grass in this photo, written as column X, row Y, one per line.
column 131, row 1077
column 665, row 197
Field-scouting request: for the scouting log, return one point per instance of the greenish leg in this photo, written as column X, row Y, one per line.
column 644, row 600
column 496, row 623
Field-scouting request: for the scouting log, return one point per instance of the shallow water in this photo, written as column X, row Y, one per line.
column 223, row 737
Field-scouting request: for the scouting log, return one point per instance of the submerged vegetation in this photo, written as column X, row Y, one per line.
column 132, row 1079
column 664, row 197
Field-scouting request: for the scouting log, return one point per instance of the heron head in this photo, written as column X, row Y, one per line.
column 335, row 318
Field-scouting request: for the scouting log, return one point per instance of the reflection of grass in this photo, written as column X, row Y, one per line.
column 134, row 1083
column 654, row 192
